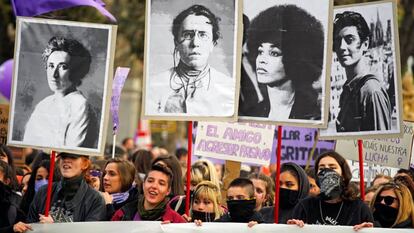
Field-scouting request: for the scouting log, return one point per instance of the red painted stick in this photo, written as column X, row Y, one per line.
column 50, row 183
column 361, row 170
column 190, row 146
column 277, row 179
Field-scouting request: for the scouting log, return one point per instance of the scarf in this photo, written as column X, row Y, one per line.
column 188, row 80
column 120, row 197
column 70, row 186
column 153, row 214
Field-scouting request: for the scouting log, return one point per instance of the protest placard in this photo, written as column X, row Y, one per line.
column 392, row 152
column 243, row 142
column 4, row 122
column 297, row 143
column 370, row 171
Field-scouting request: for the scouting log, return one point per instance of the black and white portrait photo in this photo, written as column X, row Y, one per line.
column 365, row 88
column 191, row 58
column 284, row 63
column 60, row 85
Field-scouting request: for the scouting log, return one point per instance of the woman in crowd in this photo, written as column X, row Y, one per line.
column 173, row 164
column 203, row 170
column 118, row 185
column 7, row 156
column 153, row 204
column 381, row 179
column 393, row 206
column 205, row 205
column 336, row 204
column 73, row 200
column 143, row 161
column 285, row 47
column 11, row 216
column 38, row 179
column 25, row 182
column 294, row 186
column 95, row 177
column 263, row 189
column 369, row 194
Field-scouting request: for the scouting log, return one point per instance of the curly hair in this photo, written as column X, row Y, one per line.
column 80, row 57
column 198, row 10
column 297, row 34
column 348, row 19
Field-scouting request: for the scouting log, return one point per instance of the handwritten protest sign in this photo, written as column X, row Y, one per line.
column 243, row 142
column 370, row 171
column 4, row 122
column 297, row 143
column 392, row 152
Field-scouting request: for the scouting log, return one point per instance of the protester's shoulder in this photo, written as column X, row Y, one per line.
column 309, row 201
column 224, row 218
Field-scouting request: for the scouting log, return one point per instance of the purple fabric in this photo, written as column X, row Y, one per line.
column 38, row 7
column 297, row 143
column 6, row 74
column 120, row 76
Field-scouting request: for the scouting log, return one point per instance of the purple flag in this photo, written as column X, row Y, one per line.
column 38, row 7
column 120, row 76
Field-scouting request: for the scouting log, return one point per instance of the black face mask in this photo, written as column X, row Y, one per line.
column 203, row 216
column 331, row 184
column 288, row 198
column 385, row 215
column 241, row 210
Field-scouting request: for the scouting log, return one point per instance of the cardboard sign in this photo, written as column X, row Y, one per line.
column 370, row 171
column 297, row 143
column 392, row 152
column 4, row 122
column 243, row 142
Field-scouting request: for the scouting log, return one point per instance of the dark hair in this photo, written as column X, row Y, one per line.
column 7, row 171
column 143, row 161
column 310, row 172
column 243, row 183
column 30, row 193
column 80, row 57
column 348, row 193
column 180, row 152
column 126, row 172
column 172, row 163
column 125, row 140
column 14, row 184
column 347, row 19
column 198, row 10
column 164, row 169
column 297, row 34
column 409, row 172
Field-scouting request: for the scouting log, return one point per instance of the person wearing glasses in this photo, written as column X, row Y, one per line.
column 285, row 47
column 392, row 206
column 192, row 86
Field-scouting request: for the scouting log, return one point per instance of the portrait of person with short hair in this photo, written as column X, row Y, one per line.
column 363, row 96
column 60, row 87
column 192, row 86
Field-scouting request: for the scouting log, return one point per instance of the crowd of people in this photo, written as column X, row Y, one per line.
column 148, row 185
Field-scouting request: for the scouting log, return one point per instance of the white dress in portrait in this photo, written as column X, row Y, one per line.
column 58, row 121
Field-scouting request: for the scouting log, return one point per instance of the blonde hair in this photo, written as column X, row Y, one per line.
column 406, row 206
column 203, row 170
column 210, row 191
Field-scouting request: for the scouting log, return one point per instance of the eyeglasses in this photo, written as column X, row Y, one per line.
column 190, row 34
column 388, row 200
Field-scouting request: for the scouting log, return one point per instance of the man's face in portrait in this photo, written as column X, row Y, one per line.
column 58, row 71
column 195, row 41
column 348, row 46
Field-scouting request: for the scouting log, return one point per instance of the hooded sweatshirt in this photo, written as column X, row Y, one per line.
column 285, row 212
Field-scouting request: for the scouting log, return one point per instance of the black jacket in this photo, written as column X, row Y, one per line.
column 112, row 208
column 9, row 209
column 227, row 218
column 86, row 205
column 352, row 212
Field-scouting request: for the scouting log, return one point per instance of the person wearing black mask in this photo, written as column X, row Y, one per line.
column 393, row 206
column 241, row 203
column 294, row 186
column 336, row 204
